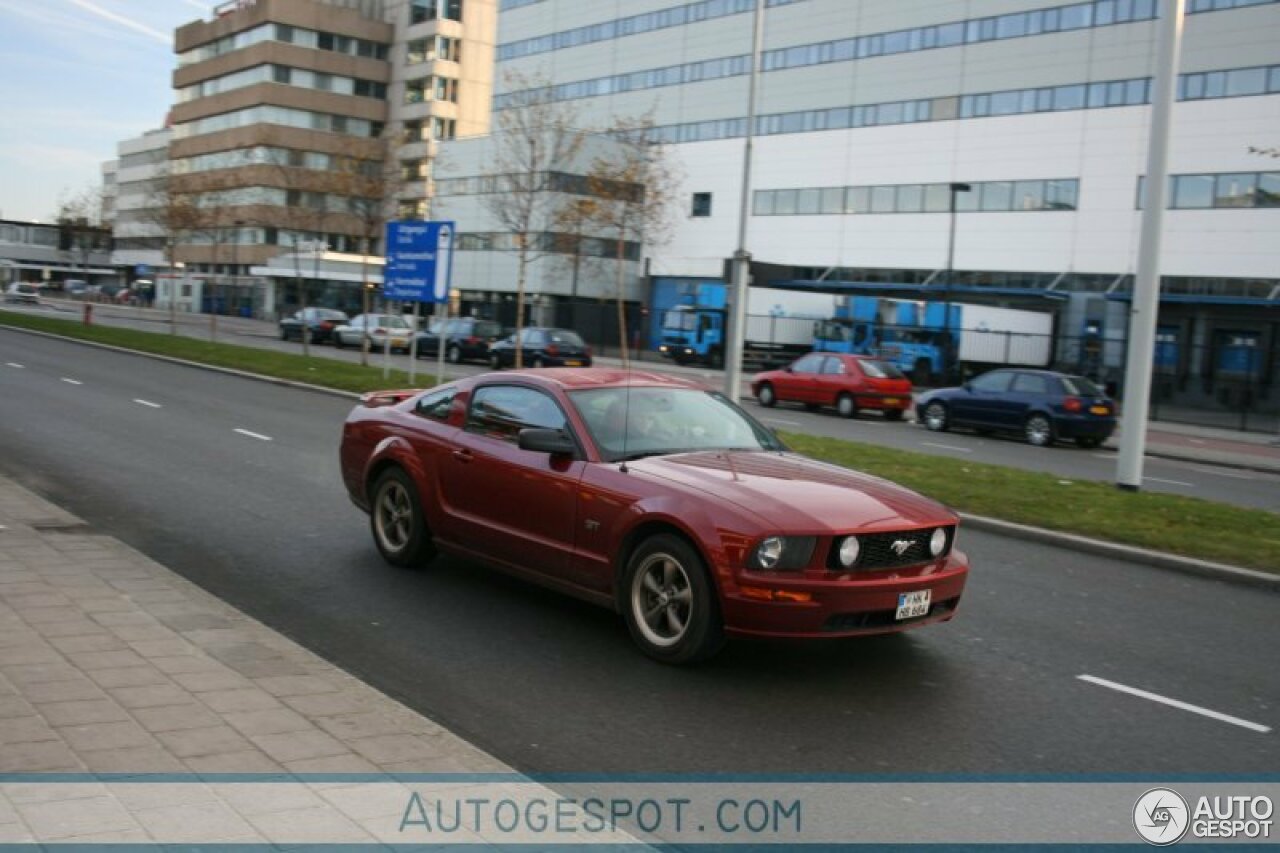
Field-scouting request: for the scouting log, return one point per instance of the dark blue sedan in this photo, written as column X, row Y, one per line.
column 1041, row 405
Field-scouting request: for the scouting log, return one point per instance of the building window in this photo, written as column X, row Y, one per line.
column 430, row 10
column 701, row 205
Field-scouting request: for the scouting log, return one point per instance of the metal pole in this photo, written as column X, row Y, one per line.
column 443, row 314
column 741, row 257
column 946, row 292
column 413, row 344
column 1146, row 284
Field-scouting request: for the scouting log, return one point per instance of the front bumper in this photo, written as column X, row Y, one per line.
column 842, row 608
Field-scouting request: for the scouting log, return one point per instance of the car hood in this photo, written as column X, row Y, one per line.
column 794, row 492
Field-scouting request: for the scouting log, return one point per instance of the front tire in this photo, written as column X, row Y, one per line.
column 397, row 522
column 1039, row 431
column 935, row 417
column 846, row 406
column 669, row 602
column 453, row 354
column 338, row 342
column 284, row 334
column 495, row 361
column 767, row 397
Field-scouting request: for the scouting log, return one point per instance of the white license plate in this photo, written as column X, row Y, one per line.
column 913, row 604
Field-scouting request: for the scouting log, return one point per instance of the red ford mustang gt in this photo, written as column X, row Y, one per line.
column 651, row 495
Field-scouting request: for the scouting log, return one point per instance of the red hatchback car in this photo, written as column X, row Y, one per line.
column 652, row 496
column 848, row 383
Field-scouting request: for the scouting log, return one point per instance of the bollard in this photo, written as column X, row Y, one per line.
column 88, row 313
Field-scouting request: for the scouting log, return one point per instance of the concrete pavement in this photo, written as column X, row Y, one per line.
column 112, row 664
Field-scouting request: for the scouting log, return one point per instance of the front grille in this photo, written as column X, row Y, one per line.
column 879, row 551
column 871, row 619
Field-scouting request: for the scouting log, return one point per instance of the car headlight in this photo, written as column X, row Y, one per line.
column 782, row 552
column 938, row 541
column 850, row 548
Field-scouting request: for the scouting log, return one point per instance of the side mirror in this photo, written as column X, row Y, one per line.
column 557, row 442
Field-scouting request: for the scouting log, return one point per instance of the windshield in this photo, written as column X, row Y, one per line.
column 681, row 321
column 1082, row 387
column 630, row 423
column 880, row 369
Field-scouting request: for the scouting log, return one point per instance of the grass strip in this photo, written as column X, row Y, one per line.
column 1170, row 523
column 329, row 372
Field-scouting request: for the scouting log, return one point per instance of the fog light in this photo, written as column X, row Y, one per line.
column 938, row 542
column 849, row 550
column 770, row 552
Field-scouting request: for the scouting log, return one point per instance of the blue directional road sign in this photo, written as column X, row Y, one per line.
column 419, row 261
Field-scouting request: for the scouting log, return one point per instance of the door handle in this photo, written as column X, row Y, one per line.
column 463, row 455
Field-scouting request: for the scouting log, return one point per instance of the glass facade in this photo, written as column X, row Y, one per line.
column 1231, row 190
column 268, row 114
column 300, row 77
column 289, row 35
column 1002, row 196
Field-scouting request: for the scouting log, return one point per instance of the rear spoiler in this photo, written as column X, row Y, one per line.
column 378, row 399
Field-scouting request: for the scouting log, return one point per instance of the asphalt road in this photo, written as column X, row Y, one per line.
column 234, row 484
column 1213, row 482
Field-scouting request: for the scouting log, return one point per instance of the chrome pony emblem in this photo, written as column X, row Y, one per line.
column 901, row 546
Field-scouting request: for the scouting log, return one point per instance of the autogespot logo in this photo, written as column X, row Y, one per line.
column 1161, row 816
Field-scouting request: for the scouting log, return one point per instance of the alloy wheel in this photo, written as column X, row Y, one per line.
column 662, row 600
column 935, row 417
column 393, row 517
column 1039, row 431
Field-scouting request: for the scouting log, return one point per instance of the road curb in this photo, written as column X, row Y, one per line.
column 1159, row 559
column 230, row 371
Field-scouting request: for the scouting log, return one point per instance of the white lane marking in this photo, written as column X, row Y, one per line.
column 72, row 381
column 782, row 421
column 15, row 364
column 1174, row 703
column 948, row 447
column 1170, row 482
column 1196, row 440
column 1110, row 457
column 256, row 435
column 147, row 403
column 1222, row 473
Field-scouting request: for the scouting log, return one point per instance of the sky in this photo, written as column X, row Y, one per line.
column 76, row 77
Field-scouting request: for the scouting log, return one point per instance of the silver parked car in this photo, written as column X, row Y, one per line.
column 378, row 328
column 21, row 291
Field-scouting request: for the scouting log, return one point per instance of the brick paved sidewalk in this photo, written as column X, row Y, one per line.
column 111, row 663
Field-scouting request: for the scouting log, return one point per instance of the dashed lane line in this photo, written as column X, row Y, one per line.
column 1174, row 703
column 259, row 436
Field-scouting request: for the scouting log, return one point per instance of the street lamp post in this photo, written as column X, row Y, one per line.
column 956, row 188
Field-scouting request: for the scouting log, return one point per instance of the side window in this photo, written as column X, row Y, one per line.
column 833, row 367
column 357, row 323
column 993, row 382
column 808, row 364
column 436, row 405
column 1030, row 383
column 501, row 411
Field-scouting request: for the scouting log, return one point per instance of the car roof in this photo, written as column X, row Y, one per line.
column 577, row 378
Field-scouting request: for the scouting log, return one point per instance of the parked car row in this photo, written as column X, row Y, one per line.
column 1041, row 405
column 465, row 338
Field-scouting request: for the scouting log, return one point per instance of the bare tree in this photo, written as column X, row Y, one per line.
column 79, row 220
column 630, row 192
column 177, row 217
column 534, row 141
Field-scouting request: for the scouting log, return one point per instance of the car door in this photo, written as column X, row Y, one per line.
column 1027, row 393
column 837, row 377
column 355, row 330
column 517, row 506
column 799, row 383
column 976, row 403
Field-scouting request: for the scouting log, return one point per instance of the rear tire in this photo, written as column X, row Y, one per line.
column 669, row 602
column 495, row 361
column 453, row 354
column 397, row 522
column 767, row 397
column 1038, row 430
column 935, row 417
column 284, row 334
column 846, row 406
